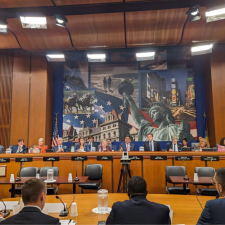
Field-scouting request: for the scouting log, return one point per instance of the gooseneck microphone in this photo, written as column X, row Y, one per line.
column 18, row 174
column 42, row 178
column 5, row 212
column 185, row 177
column 76, row 179
column 64, row 212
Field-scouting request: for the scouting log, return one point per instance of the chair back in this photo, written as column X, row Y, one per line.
column 28, row 172
column 43, row 171
column 94, row 171
column 205, row 171
column 167, row 145
column 193, row 145
column 174, row 171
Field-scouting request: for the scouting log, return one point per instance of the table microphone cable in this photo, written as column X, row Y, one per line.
column 71, row 202
column 199, row 201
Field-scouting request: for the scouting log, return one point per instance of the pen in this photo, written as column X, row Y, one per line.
column 69, row 221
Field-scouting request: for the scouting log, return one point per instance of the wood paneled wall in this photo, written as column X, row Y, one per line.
column 6, row 72
column 215, row 92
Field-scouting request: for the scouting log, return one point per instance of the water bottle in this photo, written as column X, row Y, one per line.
column 50, row 175
column 102, row 200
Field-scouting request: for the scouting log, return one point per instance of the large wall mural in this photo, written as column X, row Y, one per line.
column 125, row 97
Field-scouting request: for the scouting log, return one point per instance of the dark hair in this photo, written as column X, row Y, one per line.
column 20, row 140
column 89, row 137
column 137, row 185
column 199, row 137
column 185, row 139
column 109, row 139
column 222, row 141
column 32, row 189
column 127, row 136
column 150, row 134
column 80, row 139
column 220, row 176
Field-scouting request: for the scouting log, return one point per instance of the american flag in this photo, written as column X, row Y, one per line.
column 55, row 135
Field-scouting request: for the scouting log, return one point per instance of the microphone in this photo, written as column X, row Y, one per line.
column 42, row 178
column 64, row 212
column 76, row 179
column 186, row 177
column 212, row 162
column 18, row 174
column 5, row 212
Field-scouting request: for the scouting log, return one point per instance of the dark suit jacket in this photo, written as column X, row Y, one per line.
column 31, row 215
column 132, row 147
column 94, row 144
column 56, row 148
column 15, row 147
column 156, row 146
column 138, row 210
column 73, row 145
column 213, row 212
column 169, row 145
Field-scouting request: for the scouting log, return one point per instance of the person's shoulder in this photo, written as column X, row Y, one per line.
column 214, row 202
column 159, row 206
column 49, row 219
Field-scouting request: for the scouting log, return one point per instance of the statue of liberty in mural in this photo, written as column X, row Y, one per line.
column 160, row 114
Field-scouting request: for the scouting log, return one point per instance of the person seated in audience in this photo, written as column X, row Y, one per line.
column 213, row 213
column 174, row 146
column 33, row 194
column 221, row 145
column 202, row 144
column 104, row 147
column 72, row 146
column 82, row 147
column 60, row 147
column 127, row 145
column 138, row 210
column 92, row 143
column 1, row 149
column 184, row 143
column 20, row 148
column 151, row 145
column 41, row 145
column 113, row 147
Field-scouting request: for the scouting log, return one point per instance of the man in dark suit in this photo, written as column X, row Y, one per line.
column 151, row 145
column 33, row 194
column 138, row 210
column 20, row 148
column 73, row 145
column 1, row 149
column 60, row 147
column 213, row 212
column 174, row 146
column 127, row 145
column 92, row 143
column 113, row 147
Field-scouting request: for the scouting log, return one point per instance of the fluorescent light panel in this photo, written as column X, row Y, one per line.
column 34, row 22
column 200, row 50
column 143, row 56
column 55, row 57
column 3, row 29
column 96, row 57
column 215, row 15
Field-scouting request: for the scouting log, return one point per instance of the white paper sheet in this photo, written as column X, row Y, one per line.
column 54, row 207
column 171, row 213
column 66, row 222
column 9, row 204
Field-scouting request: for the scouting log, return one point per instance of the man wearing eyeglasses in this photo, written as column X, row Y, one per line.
column 213, row 212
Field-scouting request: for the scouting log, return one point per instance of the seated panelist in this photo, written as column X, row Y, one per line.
column 113, row 147
column 151, row 145
column 174, row 146
column 202, row 144
column 127, row 145
column 184, row 143
column 221, row 145
column 104, row 147
column 20, row 148
column 1, row 149
column 41, row 145
column 82, row 147
column 73, row 145
column 60, row 147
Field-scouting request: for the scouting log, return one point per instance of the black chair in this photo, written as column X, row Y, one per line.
column 94, row 173
column 51, row 190
column 175, row 171
column 25, row 172
column 205, row 172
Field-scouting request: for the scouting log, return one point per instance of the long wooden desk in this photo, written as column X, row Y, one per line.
column 142, row 164
column 186, row 209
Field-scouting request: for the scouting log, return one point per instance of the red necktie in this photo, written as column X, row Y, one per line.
column 128, row 148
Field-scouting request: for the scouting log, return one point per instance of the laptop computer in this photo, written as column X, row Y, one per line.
column 208, row 150
column 186, row 149
column 49, row 150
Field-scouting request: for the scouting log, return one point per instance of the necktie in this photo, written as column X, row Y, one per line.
column 128, row 147
column 174, row 147
column 150, row 144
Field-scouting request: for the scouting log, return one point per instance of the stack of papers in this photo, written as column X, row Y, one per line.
column 66, row 222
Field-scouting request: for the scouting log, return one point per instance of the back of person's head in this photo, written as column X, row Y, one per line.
column 222, row 141
column 34, row 192
column 220, row 181
column 137, row 186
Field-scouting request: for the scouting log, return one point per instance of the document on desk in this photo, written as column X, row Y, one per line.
column 54, row 207
column 9, row 204
column 171, row 213
column 66, row 222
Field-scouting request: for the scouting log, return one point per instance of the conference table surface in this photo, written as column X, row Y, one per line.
column 200, row 181
column 186, row 209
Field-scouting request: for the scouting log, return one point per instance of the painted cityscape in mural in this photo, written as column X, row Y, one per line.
column 118, row 99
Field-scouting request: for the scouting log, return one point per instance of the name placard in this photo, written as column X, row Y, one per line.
column 78, row 158
column 104, row 158
column 50, row 159
column 187, row 158
column 24, row 159
column 153, row 157
column 210, row 158
column 5, row 160
column 136, row 157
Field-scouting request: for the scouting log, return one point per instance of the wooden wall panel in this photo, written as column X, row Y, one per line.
column 6, row 74
column 82, row 2
column 24, row 3
column 20, row 97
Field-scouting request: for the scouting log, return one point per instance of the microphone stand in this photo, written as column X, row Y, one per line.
column 185, row 177
column 6, row 212
column 76, row 179
column 18, row 174
column 64, row 212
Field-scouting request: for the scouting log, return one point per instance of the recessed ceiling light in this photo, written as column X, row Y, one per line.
column 34, row 22
column 200, row 50
column 55, row 57
column 3, row 26
column 214, row 15
column 96, row 57
column 143, row 56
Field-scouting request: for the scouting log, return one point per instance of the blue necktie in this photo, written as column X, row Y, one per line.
column 150, row 143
